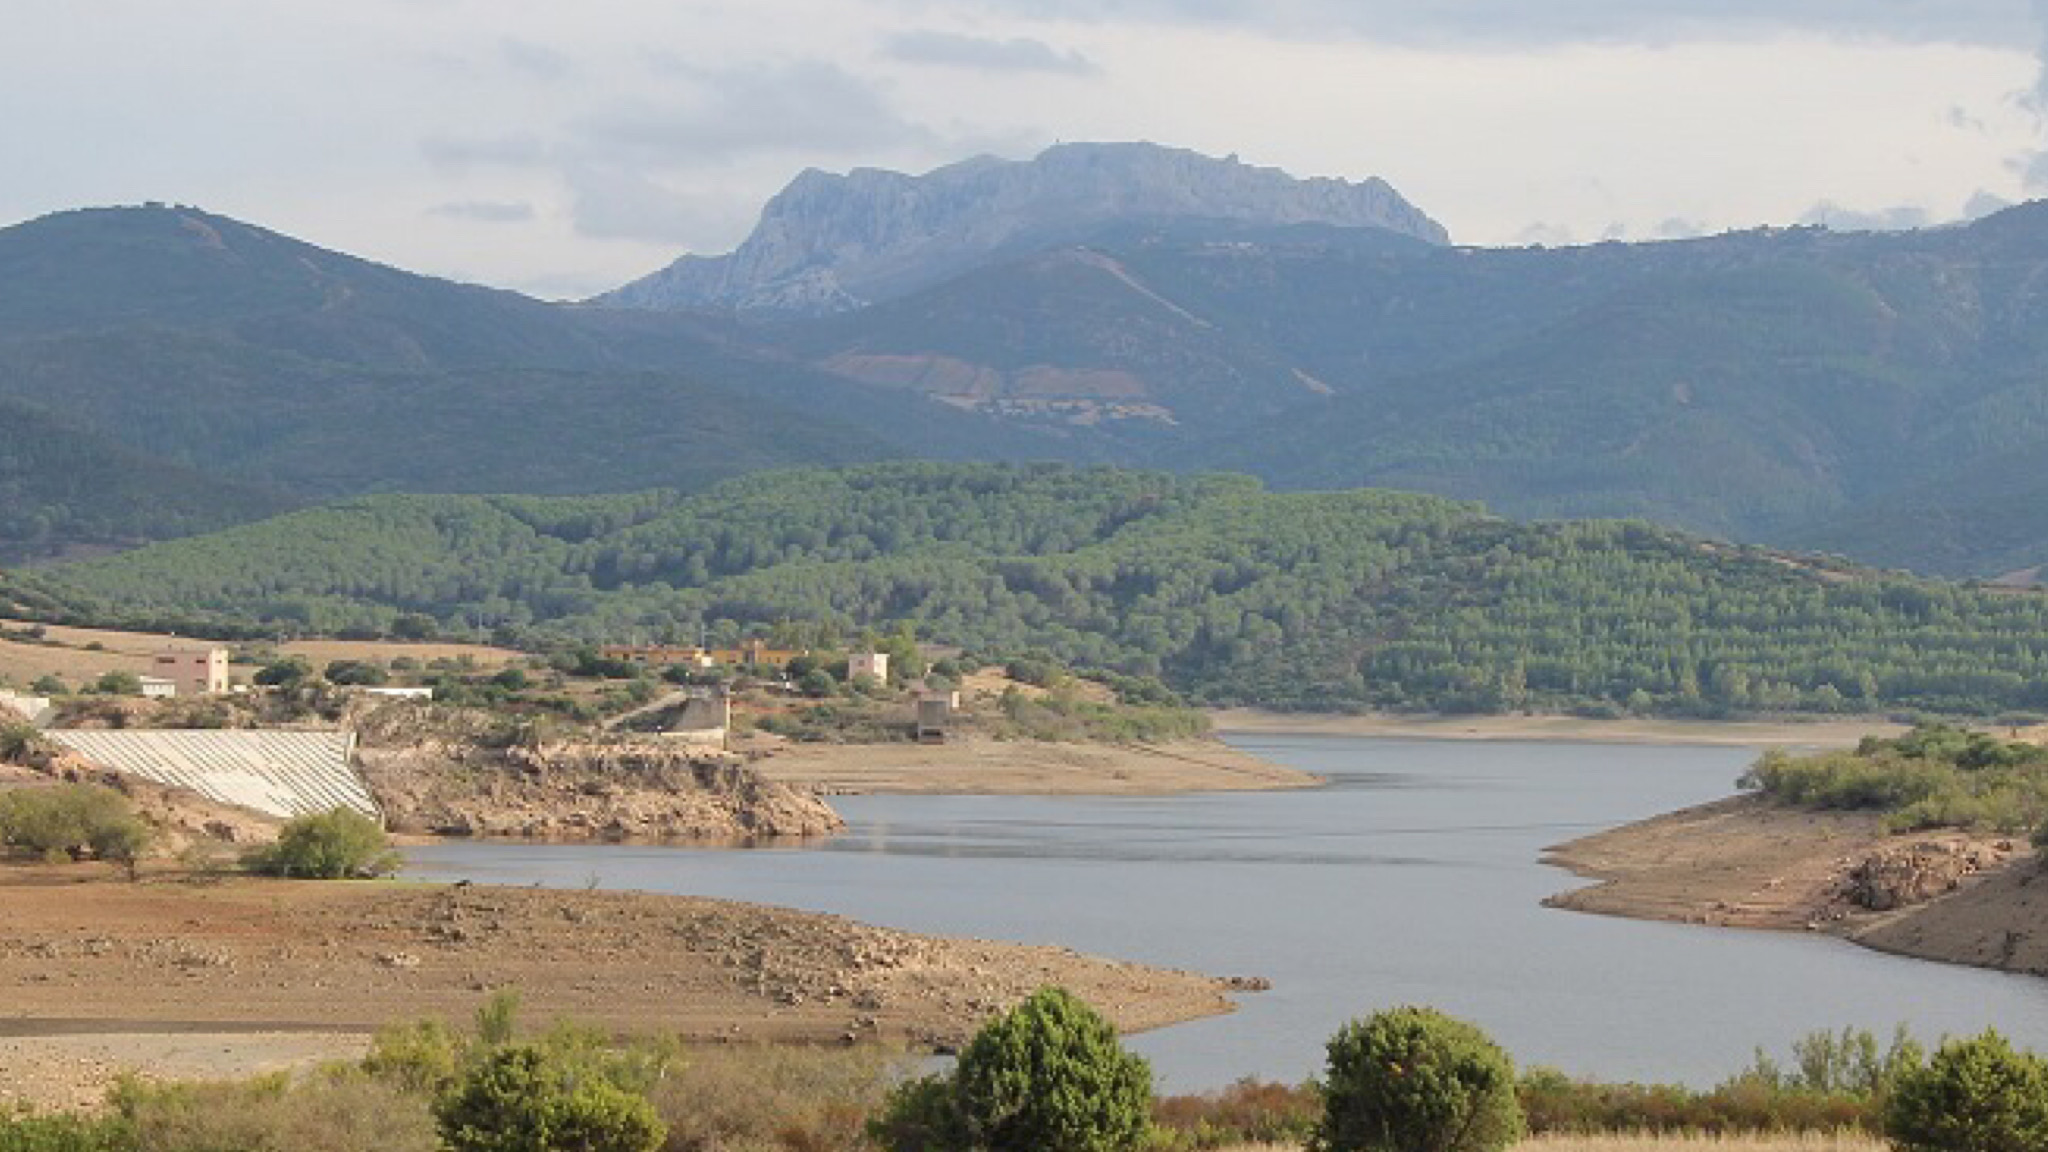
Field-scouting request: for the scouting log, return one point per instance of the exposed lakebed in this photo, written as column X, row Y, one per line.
column 1412, row 878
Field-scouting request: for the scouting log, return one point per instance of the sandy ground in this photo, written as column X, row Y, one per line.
column 75, row 1070
column 1818, row 733
column 1744, row 863
column 1024, row 767
column 82, row 951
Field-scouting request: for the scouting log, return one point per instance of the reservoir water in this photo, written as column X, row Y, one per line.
column 1413, row 878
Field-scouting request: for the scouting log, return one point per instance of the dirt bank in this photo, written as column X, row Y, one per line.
column 1746, row 863
column 78, row 945
column 436, row 773
column 1635, row 730
column 1025, row 767
column 74, row 1071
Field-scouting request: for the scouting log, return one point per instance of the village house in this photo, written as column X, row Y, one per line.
column 191, row 671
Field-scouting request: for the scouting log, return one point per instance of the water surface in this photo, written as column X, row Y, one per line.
column 1411, row 878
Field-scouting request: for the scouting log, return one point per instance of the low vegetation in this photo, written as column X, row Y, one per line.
column 337, row 845
column 1050, row 1076
column 73, row 822
column 1935, row 776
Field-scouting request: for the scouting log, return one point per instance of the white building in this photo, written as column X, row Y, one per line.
column 874, row 664
column 157, row 688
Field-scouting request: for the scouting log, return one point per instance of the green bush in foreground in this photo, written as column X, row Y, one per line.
column 1047, row 1076
column 24, row 1132
column 1416, row 1080
column 73, row 820
column 523, row 1099
column 337, row 845
column 1975, row 1095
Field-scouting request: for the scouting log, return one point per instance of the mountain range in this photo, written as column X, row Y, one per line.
column 1880, row 395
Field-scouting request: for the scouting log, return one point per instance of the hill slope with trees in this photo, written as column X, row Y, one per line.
column 1229, row 592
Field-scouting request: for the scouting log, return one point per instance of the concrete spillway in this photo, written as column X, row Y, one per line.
column 284, row 774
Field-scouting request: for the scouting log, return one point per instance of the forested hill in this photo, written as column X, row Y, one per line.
column 1232, row 593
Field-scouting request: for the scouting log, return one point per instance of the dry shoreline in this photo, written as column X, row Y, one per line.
column 1744, row 862
column 1027, row 768
column 1574, row 729
column 245, row 969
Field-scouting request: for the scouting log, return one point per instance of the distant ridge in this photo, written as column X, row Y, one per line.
column 830, row 243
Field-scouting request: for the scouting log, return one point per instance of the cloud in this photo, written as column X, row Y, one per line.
column 613, row 202
column 1518, row 23
column 536, row 60
column 807, row 106
column 1983, row 203
column 1017, row 54
column 523, row 151
column 1903, row 218
column 485, row 211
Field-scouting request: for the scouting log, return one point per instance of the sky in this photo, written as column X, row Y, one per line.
column 562, row 149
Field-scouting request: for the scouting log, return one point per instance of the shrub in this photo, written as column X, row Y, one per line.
column 1247, row 1112
column 522, row 1099
column 26, row 1132
column 118, row 684
column 335, row 1111
column 73, row 820
column 283, row 673
column 1976, row 1095
column 357, row 672
column 337, row 845
column 1047, row 1076
column 812, row 1099
column 48, row 685
column 1415, row 1080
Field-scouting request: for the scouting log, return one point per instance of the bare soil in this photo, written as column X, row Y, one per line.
column 1828, row 733
column 1746, row 863
column 1025, row 767
column 82, row 951
column 70, row 659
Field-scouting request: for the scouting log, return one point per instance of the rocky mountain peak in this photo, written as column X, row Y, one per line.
column 829, row 243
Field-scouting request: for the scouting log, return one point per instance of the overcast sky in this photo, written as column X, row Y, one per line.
column 563, row 148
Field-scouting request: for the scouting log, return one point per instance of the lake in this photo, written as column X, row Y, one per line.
column 1411, row 879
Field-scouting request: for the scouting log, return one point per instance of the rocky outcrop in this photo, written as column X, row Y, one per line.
column 637, row 790
column 831, row 243
column 1902, row 876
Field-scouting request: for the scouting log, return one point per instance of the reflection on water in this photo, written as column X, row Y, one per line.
column 1412, row 878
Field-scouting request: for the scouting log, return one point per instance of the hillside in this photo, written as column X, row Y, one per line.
column 1231, row 593
column 831, row 243
column 1770, row 385
column 64, row 487
column 212, row 354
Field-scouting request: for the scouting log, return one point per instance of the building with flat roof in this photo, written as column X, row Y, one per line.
column 193, row 671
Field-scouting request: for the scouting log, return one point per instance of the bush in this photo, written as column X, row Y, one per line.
column 1247, row 1112
column 1976, row 1095
column 26, row 1132
column 283, row 673
column 73, row 820
column 813, row 1099
column 335, row 1111
column 522, row 1099
column 1047, row 1076
column 118, row 684
column 1415, row 1080
column 337, row 845
column 357, row 672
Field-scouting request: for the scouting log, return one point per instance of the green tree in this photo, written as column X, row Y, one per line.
column 1416, row 1080
column 358, row 672
column 1975, row 1095
column 523, row 1099
column 73, row 820
column 1047, row 1076
column 337, row 845
column 118, row 684
column 283, row 673
column 48, row 685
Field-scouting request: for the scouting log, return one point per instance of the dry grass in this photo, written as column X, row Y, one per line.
column 72, row 661
column 1794, row 1142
